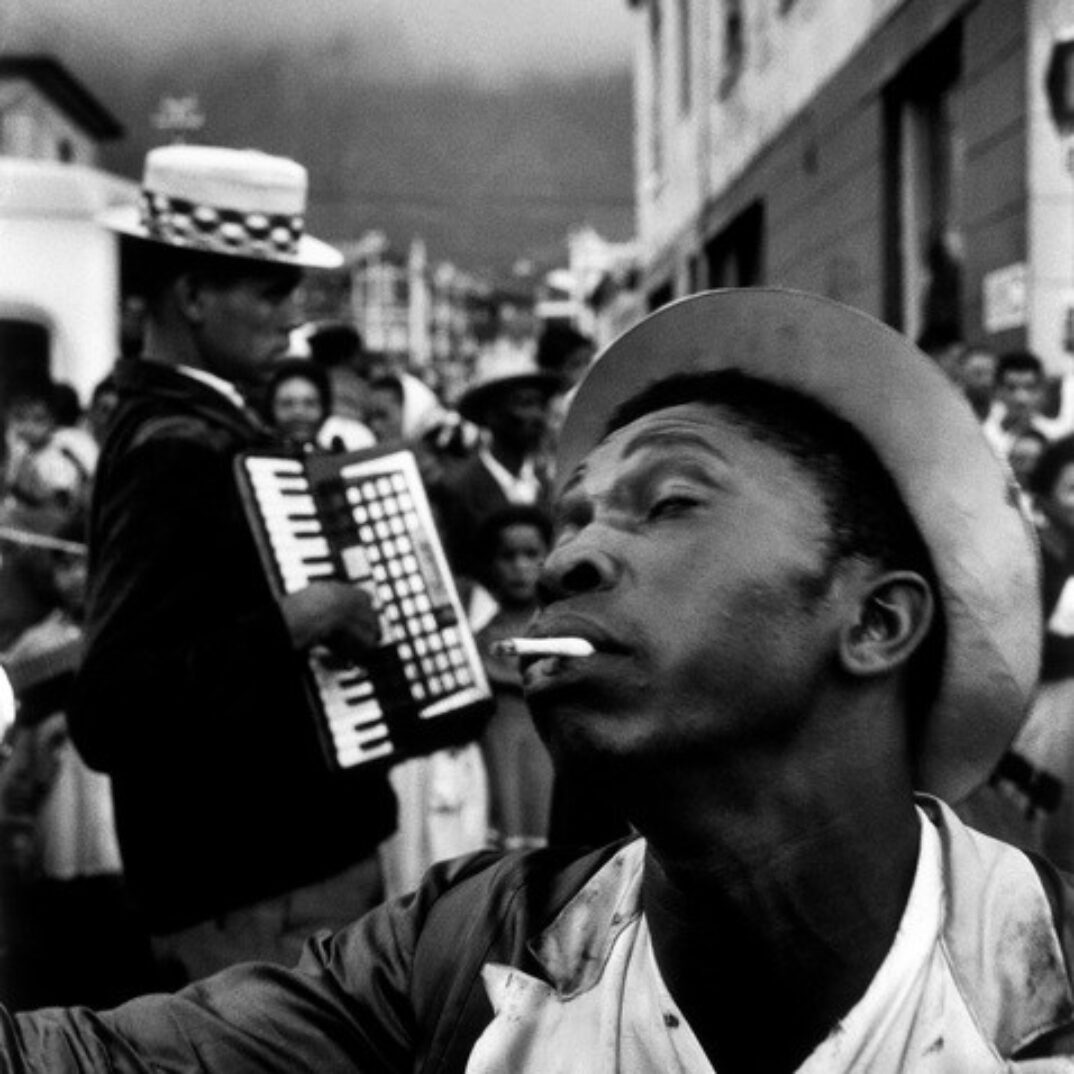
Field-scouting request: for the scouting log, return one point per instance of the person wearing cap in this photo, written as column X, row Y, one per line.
column 810, row 592
column 509, row 401
column 235, row 837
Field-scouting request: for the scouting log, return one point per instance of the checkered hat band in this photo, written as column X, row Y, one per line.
column 220, row 230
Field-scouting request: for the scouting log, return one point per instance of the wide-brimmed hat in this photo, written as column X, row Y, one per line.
column 961, row 496
column 496, row 371
column 233, row 202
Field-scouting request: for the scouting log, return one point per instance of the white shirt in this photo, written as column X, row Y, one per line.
column 913, row 1016
column 1002, row 438
column 524, row 489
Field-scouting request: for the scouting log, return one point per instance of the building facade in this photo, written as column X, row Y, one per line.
column 898, row 155
column 47, row 114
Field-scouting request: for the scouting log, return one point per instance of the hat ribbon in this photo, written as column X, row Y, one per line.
column 228, row 231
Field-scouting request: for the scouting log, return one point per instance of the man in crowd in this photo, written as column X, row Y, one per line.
column 509, row 400
column 1019, row 396
column 811, row 595
column 235, row 836
column 977, row 375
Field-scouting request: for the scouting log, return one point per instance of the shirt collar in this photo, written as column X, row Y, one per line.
column 521, row 489
column 218, row 384
column 997, row 929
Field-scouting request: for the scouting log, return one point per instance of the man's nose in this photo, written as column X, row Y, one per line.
column 580, row 566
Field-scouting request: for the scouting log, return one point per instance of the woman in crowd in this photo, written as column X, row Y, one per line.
column 299, row 401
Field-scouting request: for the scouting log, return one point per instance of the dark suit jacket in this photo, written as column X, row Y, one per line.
column 190, row 694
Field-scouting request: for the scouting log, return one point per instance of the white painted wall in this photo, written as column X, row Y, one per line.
column 1051, row 195
column 788, row 57
column 59, row 265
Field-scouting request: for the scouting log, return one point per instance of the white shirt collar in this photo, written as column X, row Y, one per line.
column 218, row 384
column 525, row 488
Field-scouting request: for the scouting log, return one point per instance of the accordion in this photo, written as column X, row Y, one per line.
column 364, row 517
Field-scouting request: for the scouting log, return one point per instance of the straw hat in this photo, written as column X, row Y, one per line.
column 962, row 498
column 233, row 202
column 498, row 370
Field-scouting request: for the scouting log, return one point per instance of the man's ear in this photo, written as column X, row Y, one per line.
column 894, row 616
column 189, row 294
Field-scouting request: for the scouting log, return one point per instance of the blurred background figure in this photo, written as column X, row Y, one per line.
column 1024, row 456
column 72, row 435
column 298, row 401
column 132, row 315
column 42, row 468
column 383, row 410
column 1030, row 799
column 509, row 400
column 336, row 347
column 77, row 939
column 422, row 410
column 1019, row 396
column 943, row 344
column 102, row 407
column 566, row 353
column 977, row 375
column 513, row 542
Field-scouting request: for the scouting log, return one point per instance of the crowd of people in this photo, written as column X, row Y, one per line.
column 808, row 587
column 174, row 589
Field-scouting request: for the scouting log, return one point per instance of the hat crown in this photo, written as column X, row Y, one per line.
column 236, row 180
column 505, row 361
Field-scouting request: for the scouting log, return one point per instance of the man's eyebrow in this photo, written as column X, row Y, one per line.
column 649, row 438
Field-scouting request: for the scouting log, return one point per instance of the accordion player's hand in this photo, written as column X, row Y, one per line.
column 335, row 614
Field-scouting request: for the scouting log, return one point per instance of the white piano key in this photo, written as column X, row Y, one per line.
column 360, row 712
column 356, row 756
column 359, row 734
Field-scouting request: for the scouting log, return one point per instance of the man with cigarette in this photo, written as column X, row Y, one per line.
column 789, row 619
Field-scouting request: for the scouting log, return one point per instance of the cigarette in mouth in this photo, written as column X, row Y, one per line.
column 543, row 647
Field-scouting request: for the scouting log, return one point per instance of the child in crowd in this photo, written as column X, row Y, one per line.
column 514, row 542
column 41, row 470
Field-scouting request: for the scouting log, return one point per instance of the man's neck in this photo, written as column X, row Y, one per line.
column 771, row 916
column 168, row 346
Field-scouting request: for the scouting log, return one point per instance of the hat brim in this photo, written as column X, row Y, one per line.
column 474, row 402
column 963, row 499
column 311, row 252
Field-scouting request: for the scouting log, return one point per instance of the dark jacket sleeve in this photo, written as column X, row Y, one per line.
column 400, row 990
column 348, row 1006
column 181, row 626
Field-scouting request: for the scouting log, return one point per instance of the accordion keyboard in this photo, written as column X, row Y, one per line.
column 375, row 530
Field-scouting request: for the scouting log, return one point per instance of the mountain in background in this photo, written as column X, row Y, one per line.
column 485, row 174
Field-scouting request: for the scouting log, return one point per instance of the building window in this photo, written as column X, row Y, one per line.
column 656, row 63
column 685, row 66
column 734, row 45
column 925, row 171
column 735, row 255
